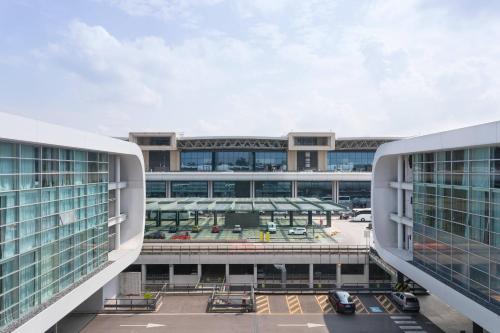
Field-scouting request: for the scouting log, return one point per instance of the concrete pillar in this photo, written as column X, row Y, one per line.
column 295, row 190
column 290, row 215
column 177, row 218
column 366, row 274
column 196, row 218
column 167, row 189
column 171, row 275
column 143, row 275
column 283, row 277
column 210, row 189
column 199, row 272
column 215, row 218
column 311, row 275
column 252, row 189
column 255, row 275
column 400, row 236
column 328, row 219
column 339, row 275
column 309, row 218
column 117, row 203
column 272, row 216
column 227, row 273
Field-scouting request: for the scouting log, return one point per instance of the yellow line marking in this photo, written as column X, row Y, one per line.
column 387, row 304
column 360, row 307
column 293, row 304
column 324, row 304
column 262, row 303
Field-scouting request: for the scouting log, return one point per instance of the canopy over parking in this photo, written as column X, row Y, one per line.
column 241, row 206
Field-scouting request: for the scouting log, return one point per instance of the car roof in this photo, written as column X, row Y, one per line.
column 343, row 295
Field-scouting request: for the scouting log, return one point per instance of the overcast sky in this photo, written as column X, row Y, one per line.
column 252, row 67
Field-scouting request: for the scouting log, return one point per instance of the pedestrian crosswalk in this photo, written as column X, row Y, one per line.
column 324, row 304
column 262, row 304
column 407, row 324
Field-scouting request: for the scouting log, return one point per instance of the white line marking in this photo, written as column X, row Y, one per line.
column 405, row 322
column 410, row 327
column 401, row 317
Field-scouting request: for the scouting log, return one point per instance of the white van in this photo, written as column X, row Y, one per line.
column 271, row 227
column 362, row 215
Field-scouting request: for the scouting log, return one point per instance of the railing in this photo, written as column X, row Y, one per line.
column 250, row 248
column 134, row 304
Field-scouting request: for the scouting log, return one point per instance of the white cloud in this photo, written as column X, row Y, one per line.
column 358, row 68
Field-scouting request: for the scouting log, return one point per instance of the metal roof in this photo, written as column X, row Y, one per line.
column 241, row 204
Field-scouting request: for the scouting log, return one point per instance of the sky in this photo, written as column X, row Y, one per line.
column 252, row 67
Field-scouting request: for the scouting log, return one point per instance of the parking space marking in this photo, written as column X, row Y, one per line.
column 324, row 304
column 293, row 304
column 387, row 304
column 360, row 307
column 262, row 304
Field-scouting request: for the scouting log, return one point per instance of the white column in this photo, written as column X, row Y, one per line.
column 210, row 188
column 199, row 272
column 171, row 275
column 227, row 273
column 255, row 275
column 252, row 189
column 117, row 202
column 339, row 275
column 366, row 273
column 143, row 274
column 311, row 275
column 400, row 201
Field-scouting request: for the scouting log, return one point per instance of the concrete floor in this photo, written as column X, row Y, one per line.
column 282, row 313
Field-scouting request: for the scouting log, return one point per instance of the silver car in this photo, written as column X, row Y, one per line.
column 406, row 301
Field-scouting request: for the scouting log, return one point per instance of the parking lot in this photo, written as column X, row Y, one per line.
column 280, row 313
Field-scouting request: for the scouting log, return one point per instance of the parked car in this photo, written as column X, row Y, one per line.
column 237, row 229
column 362, row 215
column 271, row 227
column 195, row 228
column 342, row 301
column 346, row 214
column 155, row 235
column 215, row 229
column 406, row 301
column 297, row 231
column 173, row 229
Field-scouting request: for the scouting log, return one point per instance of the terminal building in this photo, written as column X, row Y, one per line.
column 196, row 184
column 297, row 165
column 71, row 219
column 436, row 216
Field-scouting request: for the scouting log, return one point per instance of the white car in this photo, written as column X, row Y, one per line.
column 297, row 231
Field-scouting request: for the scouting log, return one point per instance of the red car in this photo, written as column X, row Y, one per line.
column 184, row 236
column 215, row 229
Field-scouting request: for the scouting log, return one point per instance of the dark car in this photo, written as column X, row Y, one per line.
column 156, row 235
column 173, row 229
column 342, row 301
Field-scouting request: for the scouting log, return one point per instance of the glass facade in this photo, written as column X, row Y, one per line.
column 159, row 161
column 156, row 189
column 196, row 161
column 271, row 161
column 181, row 189
column 53, row 223
column 314, row 189
column 272, row 189
column 233, row 161
column 350, row 161
column 359, row 193
column 456, row 212
column 231, row 189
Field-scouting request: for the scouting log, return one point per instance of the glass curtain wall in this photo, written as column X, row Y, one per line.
column 314, row 189
column 53, row 223
column 273, row 189
column 196, row 161
column 271, row 161
column 233, row 161
column 159, row 161
column 359, row 193
column 231, row 189
column 456, row 234
column 156, row 189
column 185, row 189
column 350, row 161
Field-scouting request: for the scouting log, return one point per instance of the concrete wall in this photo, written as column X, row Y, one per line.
column 130, row 283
